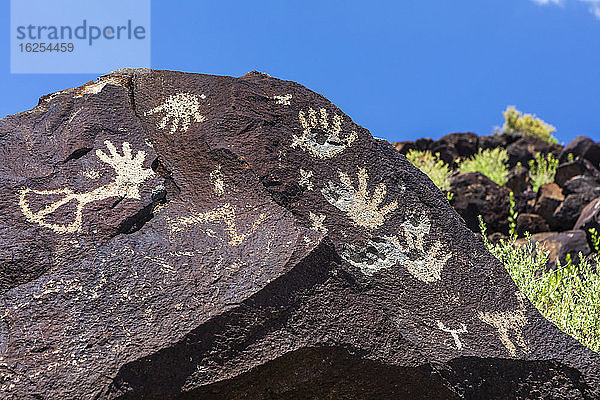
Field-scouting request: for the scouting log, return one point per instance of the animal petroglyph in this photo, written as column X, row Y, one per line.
column 388, row 251
column 305, row 181
column 426, row 265
column 317, row 222
column 507, row 321
column 283, row 100
column 217, row 180
column 130, row 174
column 362, row 208
column 453, row 332
column 179, row 109
column 224, row 213
column 320, row 137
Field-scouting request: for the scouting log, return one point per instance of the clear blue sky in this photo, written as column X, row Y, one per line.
column 403, row 69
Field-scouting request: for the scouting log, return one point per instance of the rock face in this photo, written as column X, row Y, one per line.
column 476, row 194
column 184, row 236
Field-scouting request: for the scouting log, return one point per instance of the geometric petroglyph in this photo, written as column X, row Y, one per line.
column 388, row 251
column 130, row 174
column 180, row 108
column 363, row 210
column 305, row 179
column 320, row 138
column 283, row 100
column 507, row 321
column 216, row 178
column 224, row 213
column 453, row 332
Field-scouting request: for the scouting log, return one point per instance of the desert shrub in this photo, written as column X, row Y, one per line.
column 569, row 295
column 437, row 170
column 490, row 162
column 542, row 170
column 527, row 125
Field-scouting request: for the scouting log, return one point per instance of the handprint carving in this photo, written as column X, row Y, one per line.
column 507, row 321
column 130, row 174
column 224, row 213
column 320, row 137
column 362, row 208
column 180, row 110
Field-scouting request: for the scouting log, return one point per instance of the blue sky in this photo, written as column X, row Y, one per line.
column 403, row 69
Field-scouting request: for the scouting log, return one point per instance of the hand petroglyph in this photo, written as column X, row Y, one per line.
column 130, row 174
column 320, row 137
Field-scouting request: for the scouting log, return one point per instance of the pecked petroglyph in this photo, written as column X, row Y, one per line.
column 130, row 174
column 283, row 100
column 428, row 264
column 363, row 209
column 217, row 180
column 180, row 110
column 225, row 214
column 320, row 137
column 507, row 321
column 453, row 332
column 424, row 263
column 305, row 179
column 317, row 222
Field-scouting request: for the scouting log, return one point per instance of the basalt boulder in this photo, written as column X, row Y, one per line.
column 184, row 236
column 583, row 147
column 475, row 194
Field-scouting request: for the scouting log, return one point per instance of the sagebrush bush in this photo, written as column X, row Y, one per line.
column 437, row 170
column 490, row 162
column 569, row 295
column 528, row 125
column 542, row 170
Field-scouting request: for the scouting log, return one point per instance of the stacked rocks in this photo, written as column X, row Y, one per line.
column 556, row 207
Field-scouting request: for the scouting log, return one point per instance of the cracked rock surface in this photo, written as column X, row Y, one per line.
column 166, row 235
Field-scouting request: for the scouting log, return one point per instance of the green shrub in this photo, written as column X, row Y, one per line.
column 527, row 125
column 542, row 170
column 432, row 166
column 491, row 163
column 569, row 296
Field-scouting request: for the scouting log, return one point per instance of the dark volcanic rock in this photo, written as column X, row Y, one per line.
column 581, row 184
column 531, row 223
column 568, row 170
column 549, row 197
column 527, row 147
column 517, row 179
column 454, row 146
column 498, row 140
column 185, row 236
column 475, row 194
column 583, row 147
column 422, row 144
column 561, row 244
column 590, row 217
column 565, row 216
